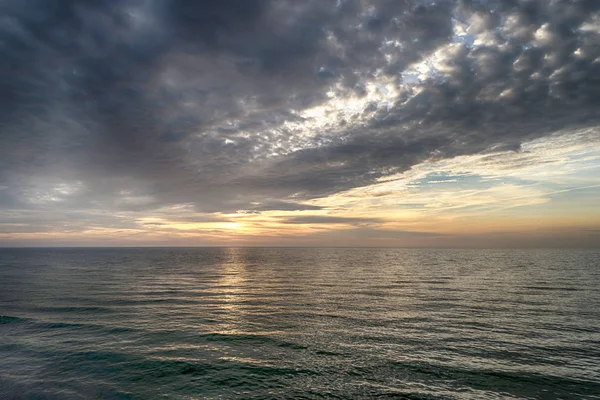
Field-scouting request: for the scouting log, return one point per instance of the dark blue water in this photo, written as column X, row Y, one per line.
column 299, row 323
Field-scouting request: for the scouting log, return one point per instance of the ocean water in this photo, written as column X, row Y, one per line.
column 272, row 323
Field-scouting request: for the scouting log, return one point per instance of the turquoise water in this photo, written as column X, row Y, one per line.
column 299, row 323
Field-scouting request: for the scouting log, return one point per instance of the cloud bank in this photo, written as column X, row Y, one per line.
column 253, row 105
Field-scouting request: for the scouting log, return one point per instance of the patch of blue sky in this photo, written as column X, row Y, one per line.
column 454, row 180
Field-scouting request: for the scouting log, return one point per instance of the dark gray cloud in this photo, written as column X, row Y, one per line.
column 140, row 104
column 283, row 206
column 326, row 219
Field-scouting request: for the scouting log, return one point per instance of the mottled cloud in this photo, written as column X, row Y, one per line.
column 145, row 106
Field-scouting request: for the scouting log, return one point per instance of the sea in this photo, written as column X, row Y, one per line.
column 299, row 323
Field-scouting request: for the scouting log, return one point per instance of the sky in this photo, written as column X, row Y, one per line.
column 446, row 123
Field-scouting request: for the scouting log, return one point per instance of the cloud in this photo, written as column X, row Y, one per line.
column 283, row 206
column 224, row 105
column 325, row 219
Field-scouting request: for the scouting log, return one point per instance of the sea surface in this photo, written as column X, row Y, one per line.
column 299, row 323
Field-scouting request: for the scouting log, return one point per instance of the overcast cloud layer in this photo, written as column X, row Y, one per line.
column 260, row 105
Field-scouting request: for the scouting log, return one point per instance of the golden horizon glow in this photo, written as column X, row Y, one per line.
column 520, row 194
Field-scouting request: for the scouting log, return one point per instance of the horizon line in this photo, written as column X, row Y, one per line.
column 306, row 247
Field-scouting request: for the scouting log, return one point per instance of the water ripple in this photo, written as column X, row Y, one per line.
column 299, row 324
